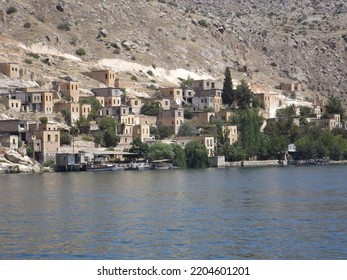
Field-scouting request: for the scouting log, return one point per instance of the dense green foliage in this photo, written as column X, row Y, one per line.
column 151, row 108
column 196, row 155
column 161, row 131
column 107, row 123
column 228, row 95
column 65, row 138
column 160, row 151
column 187, row 130
column 95, row 104
column 83, row 125
column 249, row 123
column 243, row 95
column 139, row 148
column 179, row 156
column 334, row 106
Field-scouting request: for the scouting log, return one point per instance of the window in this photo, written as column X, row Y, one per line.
column 48, row 137
column 106, row 76
column 56, row 138
column 212, row 85
column 136, row 102
column 207, row 84
column 179, row 114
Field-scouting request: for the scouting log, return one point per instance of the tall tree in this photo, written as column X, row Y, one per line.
column 197, row 156
column 244, row 95
column 228, row 95
column 249, row 123
column 334, row 106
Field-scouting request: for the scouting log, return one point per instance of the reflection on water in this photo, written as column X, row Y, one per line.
column 250, row 213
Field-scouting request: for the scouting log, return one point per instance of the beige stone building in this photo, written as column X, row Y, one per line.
column 72, row 108
column 291, row 86
column 174, row 94
column 231, row 133
column 107, row 77
column 173, row 118
column 207, row 140
column 69, row 89
column 45, row 140
column 10, row 69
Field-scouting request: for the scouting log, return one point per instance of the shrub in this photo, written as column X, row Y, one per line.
column 11, row 10
column 81, row 52
column 87, row 138
column 30, row 152
column 28, row 61
column 150, row 72
column 203, row 22
column 154, row 66
column 48, row 163
column 133, row 57
column 134, row 78
column 64, row 26
column 27, row 25
column 33, row 55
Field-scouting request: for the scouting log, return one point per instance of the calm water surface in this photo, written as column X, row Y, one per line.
column 237, row 213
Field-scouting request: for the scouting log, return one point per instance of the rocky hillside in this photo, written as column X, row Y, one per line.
column 266, row 41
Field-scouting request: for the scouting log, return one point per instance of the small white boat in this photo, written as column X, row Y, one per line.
column 102, row 167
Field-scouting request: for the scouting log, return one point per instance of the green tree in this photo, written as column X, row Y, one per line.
column 67, row 116
column 161, row 131
column 108, row 123
column 244, row 95
column 179, row 156
column 151, row 108
column 187, row 130
column 83, row 125
column 140, row 148
column 228, row 95
column 95, row 104
column 334, row 106
column 44, row 120
column 65, row 138
column 111, row 139
column 186, row 83
column 196, row 155
column 249, row 123
column 160, row 151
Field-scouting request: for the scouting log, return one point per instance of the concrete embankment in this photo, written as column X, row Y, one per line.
column 253, row 163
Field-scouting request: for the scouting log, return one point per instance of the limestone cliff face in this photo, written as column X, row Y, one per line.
column 266, row 41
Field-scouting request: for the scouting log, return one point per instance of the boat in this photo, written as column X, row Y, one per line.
column 161, row 164
column 102, row 167
column 138, row 166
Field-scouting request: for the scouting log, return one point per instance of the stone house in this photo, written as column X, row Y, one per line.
column 188, row 95
column 209, row 99
column 32, row 100
column 69, row 89
column 231, row 133
column 269, row 100
column 107, row 77
column 174, row 94
column 45, row 140
column 108, row 97
column 16, row 127
column 10, row 69
column 203, row 117
column 9, row 140
column 172, row 118
column 85, row 110
column 142, row 131
column 135, row 104
column 333, row 122
column 72, row 108
column 202, row 85
column 291, row 87
column 207, row 140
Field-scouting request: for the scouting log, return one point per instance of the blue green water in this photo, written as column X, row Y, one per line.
column 233, row 213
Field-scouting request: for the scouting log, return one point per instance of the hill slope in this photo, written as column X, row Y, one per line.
column 268, row 41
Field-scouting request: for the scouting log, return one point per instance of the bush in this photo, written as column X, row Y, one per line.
column 134, row 78
column 48, row 163
column 87, row 138
column 64, row 26
column 81, row 52
column 33, row 55
column 65, row 138
column 28, row 61
column 150, row 72
column 27, row 25
column 30, row 152
column 11, row 10
column 203, row 22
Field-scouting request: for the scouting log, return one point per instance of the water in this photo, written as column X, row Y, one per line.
column 236, row 213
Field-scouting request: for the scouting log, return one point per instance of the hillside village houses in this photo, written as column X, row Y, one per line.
column 203, row 100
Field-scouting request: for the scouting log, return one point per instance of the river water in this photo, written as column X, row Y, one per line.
column 231, row 213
